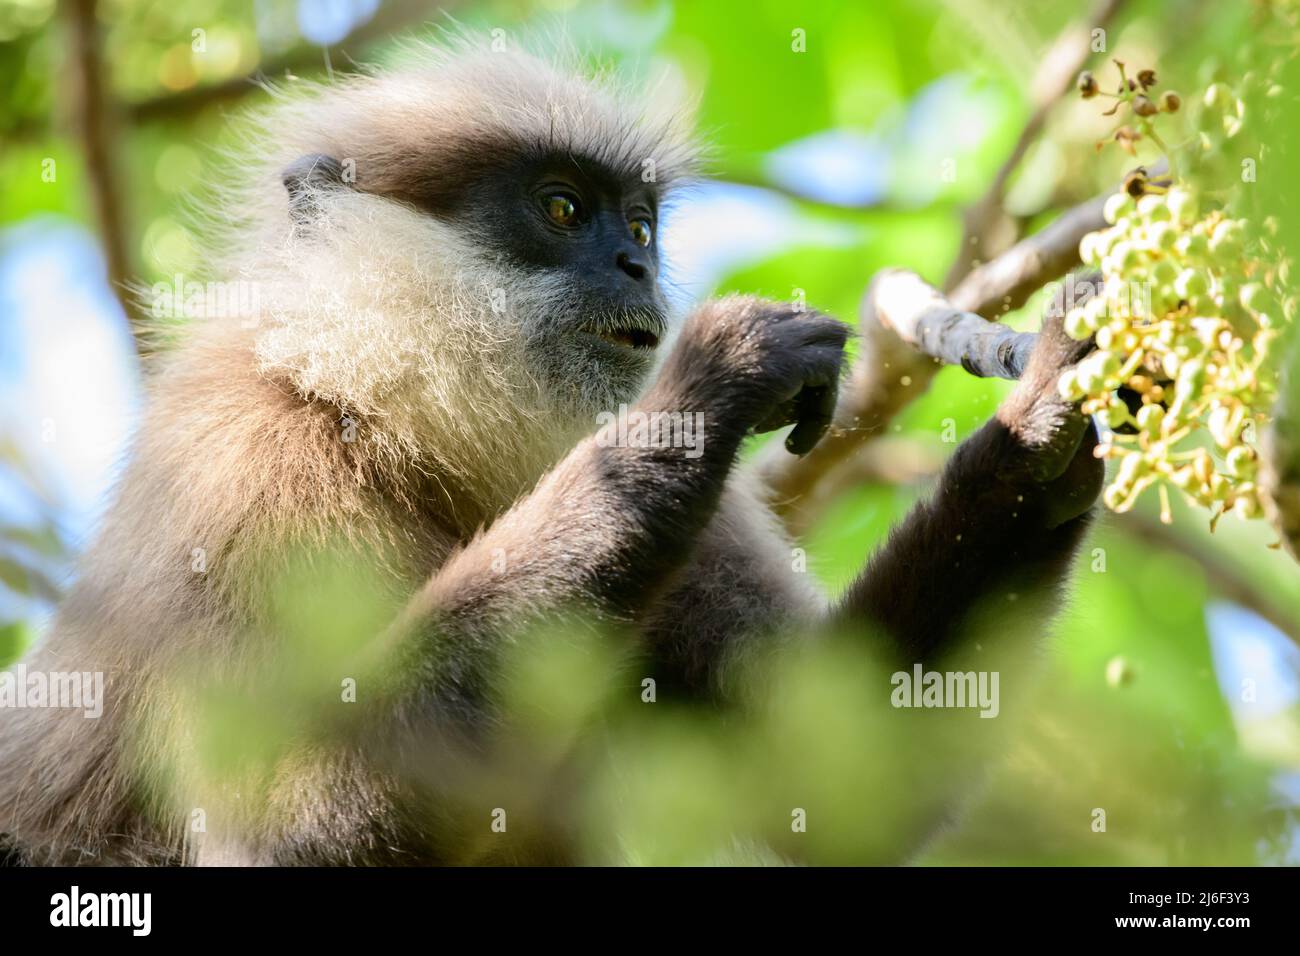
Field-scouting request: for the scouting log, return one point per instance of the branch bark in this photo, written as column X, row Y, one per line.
column 1055, row 78
column 922, row 317
column 93, row 114
column 1006, row 283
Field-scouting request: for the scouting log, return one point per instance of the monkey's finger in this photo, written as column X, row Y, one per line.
column 1064, row 428
column 816, row 409
column 787, row 413
column 1075, row 490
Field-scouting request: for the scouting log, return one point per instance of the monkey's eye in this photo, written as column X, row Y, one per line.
column 642, row 231
column 562, row 208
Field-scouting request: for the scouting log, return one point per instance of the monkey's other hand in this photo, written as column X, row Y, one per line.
column 769, row 364
column 1053, row 441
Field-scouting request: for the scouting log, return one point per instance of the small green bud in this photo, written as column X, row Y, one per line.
column 1163, row 236
column 1076, row 325
column 1182, row 204
column 1133, row 467
column 1119, row 673
column 1114, row 497
column 1226, row 238
column 1116, row 413
column 1152, row 206
column 1107, row 363
column 1184, row 478
column 1190, row 283
column 1116, row 206
column 1169, row 363
column 1241, row 463
column 1068, row 386
column 1124, row 255
column 1252, row 296
column 1191, row 376
column 1246, row 507
column 1088, row 249
column 1219, row 424
column 1164, row 271
column 1150, row 417
column 1191, row 246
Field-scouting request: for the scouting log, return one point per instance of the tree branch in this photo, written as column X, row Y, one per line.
column 93, row 115
column 1006, row 283
column 1224, row 575
column 392, row 17
column 890, row 373
column 1066, row 57
column 921, row 316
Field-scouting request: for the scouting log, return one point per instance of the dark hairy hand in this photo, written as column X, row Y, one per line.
column 765, row 365
column 1053, row 440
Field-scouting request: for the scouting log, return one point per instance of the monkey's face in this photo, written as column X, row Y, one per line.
column 575, row 243
column 504, row 230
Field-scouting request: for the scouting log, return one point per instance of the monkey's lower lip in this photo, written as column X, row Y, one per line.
column 628, row 338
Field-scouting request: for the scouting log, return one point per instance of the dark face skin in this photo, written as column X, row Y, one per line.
column 576, row 217
column 590, row 233
column 577, row 244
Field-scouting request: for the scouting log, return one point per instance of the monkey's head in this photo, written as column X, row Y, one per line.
column 481, row 229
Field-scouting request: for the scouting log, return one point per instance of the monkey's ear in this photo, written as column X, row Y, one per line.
column 305, row 178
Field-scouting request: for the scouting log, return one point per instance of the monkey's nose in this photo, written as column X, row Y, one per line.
column 629, row 265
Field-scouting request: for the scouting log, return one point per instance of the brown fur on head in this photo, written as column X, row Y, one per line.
column 390, row 305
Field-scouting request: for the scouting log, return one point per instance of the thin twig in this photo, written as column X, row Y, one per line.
column 739, row 175
column 1062, row 63
column 1224, row 575
column 93, row 113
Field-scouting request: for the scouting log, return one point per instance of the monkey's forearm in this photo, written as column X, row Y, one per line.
column 603, row 534
column 980, row 544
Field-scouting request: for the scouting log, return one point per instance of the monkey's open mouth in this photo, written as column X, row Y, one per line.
column 636, row 331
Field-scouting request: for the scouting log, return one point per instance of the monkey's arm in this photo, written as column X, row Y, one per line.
column 999, row 533
column 607, row 530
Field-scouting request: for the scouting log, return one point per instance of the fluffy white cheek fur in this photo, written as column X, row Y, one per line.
column 392, row 317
